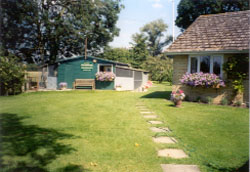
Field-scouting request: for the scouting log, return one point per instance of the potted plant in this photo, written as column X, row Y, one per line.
column 63, row 85
column 177, row 97
column 118, row 87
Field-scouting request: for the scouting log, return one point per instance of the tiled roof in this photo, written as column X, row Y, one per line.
column 215, row 32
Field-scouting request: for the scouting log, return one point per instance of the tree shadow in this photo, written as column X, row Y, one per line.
column 28, row 147
column 158, row 95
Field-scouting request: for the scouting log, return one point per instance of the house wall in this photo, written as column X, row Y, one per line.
column 180, row 64
column 70, row 70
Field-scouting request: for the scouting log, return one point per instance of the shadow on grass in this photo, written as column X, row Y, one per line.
column 158, row 95
column 29, row 148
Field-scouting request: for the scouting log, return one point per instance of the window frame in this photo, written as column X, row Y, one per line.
column 198, row 57
column 105, row 64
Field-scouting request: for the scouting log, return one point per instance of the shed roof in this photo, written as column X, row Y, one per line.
column 91, row 57
column 224, row 32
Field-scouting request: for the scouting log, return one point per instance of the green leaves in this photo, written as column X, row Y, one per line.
column 11, row 75
column 41, row 31
column 189, row 10
column 237, row 70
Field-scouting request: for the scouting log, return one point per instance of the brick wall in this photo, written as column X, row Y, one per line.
column 180, row 65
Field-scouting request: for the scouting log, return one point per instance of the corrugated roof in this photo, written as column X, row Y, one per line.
column 215, row 32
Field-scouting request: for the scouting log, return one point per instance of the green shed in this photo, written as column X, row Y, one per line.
column 80, row 68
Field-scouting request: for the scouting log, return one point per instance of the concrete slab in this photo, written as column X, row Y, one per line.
column 159, row 130
column 172, row 153
column 146, row 112
column 179, row 168
column 164, row 139
column 150, row 116
column 155, row 122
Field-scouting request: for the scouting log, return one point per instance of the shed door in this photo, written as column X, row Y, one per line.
column 137, row 79
column 68, row 73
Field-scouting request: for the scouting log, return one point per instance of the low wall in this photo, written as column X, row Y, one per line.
column 195, row 93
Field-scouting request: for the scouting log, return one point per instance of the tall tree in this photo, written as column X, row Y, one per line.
column 117, row 54
column 154, row 32
column 42, row 30
column 139, row 49
column 189, row 10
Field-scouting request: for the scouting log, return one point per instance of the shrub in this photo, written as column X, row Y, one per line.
column 224, row 101
column 209, row 100
column 238, row 103
column 105, row 76
column 198, row 99
column 202, row 79
column 11, row 75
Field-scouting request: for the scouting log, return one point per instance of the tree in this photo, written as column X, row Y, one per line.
column 189, row 10
column 11, row 75
column 139, row 49
column 41, row 30
column 117, row 54
column 154, row 32
column 160, row 68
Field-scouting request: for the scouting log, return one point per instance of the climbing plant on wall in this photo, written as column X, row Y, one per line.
column 237, row 68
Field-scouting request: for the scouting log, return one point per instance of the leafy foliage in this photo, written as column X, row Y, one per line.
column 160, row 68
column 39, row 31
column 189, row 10
column 154, row 32
column 237, row 70
column 117, row 54
column 11, row 75
column 139, row 49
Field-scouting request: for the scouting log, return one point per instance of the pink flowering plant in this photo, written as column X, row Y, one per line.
column 177, row 95
column 202, row 79
column 105, row 76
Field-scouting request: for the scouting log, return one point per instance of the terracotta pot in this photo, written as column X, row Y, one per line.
column 177, row 103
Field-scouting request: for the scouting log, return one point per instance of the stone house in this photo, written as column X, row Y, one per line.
column 204, row 46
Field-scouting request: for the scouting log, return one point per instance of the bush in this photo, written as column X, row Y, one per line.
column 238, row 103
column 11, row 75
column 224, row 101
column 209, row 100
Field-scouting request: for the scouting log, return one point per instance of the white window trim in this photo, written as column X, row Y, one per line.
column 100, row 64
column 211, row 62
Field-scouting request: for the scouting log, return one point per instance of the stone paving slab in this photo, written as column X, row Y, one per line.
column 155, row 122
column 172, row 153
column 159, row 130
column 146, row 112
column 150, row 116
column 179, row 168
column 168, row 140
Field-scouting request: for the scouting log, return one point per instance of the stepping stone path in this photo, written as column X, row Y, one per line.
column 179, row 168
column 172, row 153
column 168, row 140
column 150, row 116
column 159, row 130
column 155, row 122
column 168, row 153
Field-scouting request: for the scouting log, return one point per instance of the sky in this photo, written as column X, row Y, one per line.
column 137, row 13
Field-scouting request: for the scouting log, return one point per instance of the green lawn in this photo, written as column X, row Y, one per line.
column 97, row 131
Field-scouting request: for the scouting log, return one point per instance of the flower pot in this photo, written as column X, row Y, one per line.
column 177, row 103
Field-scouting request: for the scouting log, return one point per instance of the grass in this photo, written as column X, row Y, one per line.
column 97, row 131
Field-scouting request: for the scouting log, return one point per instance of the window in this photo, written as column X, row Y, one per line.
column 217, row 64
column 194, row 65
column 206, row 64
column 105, row 68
